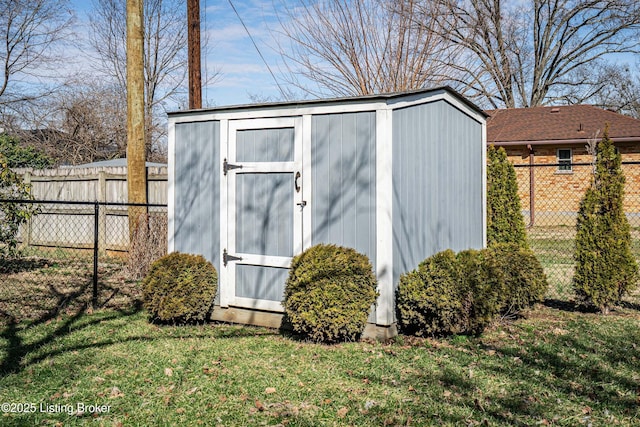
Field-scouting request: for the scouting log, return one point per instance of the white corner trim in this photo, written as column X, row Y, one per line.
column 171, row 179
column 384, row 217
column 484, row 184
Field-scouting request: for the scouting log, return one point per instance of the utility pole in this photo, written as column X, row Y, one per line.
column 136, row 150
column 193, row 39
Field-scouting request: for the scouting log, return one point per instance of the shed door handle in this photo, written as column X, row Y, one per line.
column 295, row 182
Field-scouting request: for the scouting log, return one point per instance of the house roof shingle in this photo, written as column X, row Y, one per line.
column 571, row 123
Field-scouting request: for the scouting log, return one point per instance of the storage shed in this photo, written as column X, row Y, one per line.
column 397, row 177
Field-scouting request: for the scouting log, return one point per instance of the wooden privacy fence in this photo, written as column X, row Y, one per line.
column 103, row 184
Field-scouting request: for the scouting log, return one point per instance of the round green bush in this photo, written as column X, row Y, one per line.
column 428, row 301
column 524, row 280
column 463, row 293
column 481, row 286
column 329, row 293
column 180, row 288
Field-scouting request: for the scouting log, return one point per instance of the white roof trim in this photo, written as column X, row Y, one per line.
column 332, row 106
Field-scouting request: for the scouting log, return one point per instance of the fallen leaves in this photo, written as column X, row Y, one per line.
column 115, row 392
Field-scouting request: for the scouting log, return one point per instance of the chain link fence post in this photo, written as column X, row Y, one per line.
column 96, row 226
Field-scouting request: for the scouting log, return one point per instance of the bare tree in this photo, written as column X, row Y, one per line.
column 619, row 90
column 92, row 119
column 524, row 54
column 357, row 47
column 29, row 32
column 84, row 122
column 165, row 49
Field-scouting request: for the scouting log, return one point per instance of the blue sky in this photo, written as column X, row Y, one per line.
column 243, row 72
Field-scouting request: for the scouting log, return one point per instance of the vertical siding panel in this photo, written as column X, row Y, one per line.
column 437, row 169
column 343, row 179
column 197, row 198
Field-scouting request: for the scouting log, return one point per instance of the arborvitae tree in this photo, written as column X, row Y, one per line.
column 504, row 214
column 605, row 268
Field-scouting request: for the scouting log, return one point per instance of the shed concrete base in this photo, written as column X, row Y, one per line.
column 274, row 320
column 379, row 332
column 247, row 317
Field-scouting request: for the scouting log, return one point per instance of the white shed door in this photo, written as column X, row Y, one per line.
column 264, row 209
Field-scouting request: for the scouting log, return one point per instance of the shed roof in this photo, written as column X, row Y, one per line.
column 387, row 97
column 559, row 124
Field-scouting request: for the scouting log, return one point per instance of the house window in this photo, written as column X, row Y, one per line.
column 564, row 159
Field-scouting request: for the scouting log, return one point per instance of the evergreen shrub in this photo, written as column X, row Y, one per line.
column 481, row 285
column 605, row 268
column 180, row 288
column 329, row 293
column 524, row 281
column 428, row 300
column 463, row 293
column 504, row 212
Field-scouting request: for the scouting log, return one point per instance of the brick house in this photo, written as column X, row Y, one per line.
column 548, row 146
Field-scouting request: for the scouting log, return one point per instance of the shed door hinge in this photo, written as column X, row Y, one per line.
column 226, row 257
column 226, row 167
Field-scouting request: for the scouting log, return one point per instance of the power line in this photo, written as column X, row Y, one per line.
column 258, row 50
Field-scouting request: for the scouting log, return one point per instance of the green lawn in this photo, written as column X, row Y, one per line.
column 553, row 367
column 41, row 285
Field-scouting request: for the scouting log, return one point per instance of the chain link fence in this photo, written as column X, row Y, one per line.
column 550, row 196
column 80, row 255
column 73, row 256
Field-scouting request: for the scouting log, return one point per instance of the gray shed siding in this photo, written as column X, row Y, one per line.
column 343, row 158
column 197, row 190
column 437, row 183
